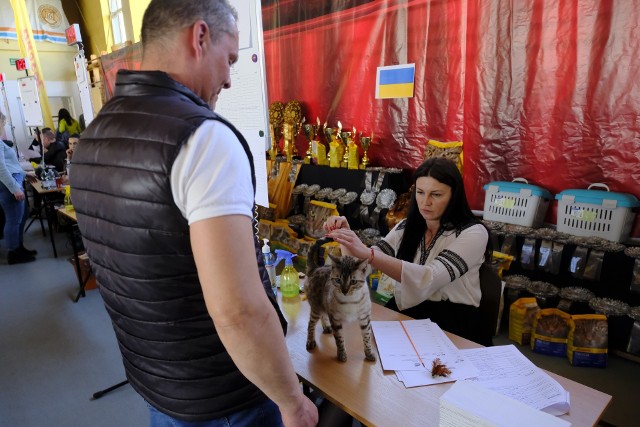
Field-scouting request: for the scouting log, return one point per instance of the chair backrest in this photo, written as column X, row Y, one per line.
column 491, row 288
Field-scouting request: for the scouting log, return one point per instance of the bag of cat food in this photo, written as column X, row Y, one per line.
column 521, row 315
column 550, row 332
column 587, row 343
column 317, row 214
column 385, row 289
column 449, row 150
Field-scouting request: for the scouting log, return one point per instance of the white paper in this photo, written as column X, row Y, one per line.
column 413, row 358
column 507, row 371
column 467, row 404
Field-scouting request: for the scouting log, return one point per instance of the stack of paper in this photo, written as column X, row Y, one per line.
column 410, row 347
column 467, row 404
column 505, row 370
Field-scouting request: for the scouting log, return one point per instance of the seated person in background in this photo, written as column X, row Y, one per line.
column 66, row 123
column 34, row 153
column 433, row 257
column 73, row 142
column 54, row 151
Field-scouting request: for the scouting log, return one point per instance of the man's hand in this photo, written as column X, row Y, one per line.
column 303, row 415
column 19, row 195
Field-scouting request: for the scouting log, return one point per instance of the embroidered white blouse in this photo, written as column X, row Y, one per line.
column 446, row 270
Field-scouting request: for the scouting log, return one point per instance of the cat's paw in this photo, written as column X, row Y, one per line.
column 342, row 357
column 370, row 357
column 326, row 330
column 311, row 345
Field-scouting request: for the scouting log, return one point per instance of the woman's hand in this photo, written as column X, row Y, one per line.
column 350, row 243
column 31, row 177
column 336, row 223
column 19, row 195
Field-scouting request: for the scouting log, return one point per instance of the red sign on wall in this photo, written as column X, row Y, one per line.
column 21, row 64
column 73, row 35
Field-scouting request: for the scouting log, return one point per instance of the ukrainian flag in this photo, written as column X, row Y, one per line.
column 395, row 81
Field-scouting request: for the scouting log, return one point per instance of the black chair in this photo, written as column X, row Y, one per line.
column 491, row 287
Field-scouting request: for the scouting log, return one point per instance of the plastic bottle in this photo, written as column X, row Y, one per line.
column 68, row 206
column 270, row 265
column 289, row 281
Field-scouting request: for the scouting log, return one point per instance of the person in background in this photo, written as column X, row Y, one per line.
column 167, row 223
column 3, row 122
column 67, row 124
column 73, row 143
column 55, row 152
column 12, row 201
column 432, row 257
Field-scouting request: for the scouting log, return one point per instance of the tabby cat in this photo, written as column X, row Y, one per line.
column 337, row 294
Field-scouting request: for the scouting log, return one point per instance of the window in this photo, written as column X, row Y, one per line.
column 117, row 22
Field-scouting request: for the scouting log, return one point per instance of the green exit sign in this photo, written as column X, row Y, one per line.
column 12, row 61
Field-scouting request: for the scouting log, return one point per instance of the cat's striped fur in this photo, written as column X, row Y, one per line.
column 337, row 294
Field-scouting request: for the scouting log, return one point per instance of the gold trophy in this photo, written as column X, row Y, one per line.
column 276, row 119
column 309, row 133
column 345, row 137
column 365, row 141
column 292, row 121
column 332, row 144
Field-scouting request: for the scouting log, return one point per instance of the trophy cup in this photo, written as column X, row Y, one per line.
column 331, row 143
column 276, row 119
column 309, row 133
column 292, row 120
column 365, row 141
column 345, row 137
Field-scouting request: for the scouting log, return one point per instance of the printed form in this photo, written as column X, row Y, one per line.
column 410, row 347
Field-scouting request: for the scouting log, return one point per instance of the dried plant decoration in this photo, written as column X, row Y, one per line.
column 439, row 369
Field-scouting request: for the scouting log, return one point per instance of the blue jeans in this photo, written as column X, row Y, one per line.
column 264, row 414
column 15, row 215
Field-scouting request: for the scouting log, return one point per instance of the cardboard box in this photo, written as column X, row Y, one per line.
column 85, row 268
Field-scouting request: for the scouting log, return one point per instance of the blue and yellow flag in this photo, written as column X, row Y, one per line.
column 395, row 81
column 29, row 51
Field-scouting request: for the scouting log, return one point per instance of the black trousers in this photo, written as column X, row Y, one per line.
column 460, row 319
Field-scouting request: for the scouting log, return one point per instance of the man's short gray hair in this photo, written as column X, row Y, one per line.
column 165, row 17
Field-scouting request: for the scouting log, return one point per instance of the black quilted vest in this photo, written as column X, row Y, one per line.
column 139, row 247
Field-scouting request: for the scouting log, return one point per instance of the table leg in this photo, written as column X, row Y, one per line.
column 48, row 209
column 82, row 281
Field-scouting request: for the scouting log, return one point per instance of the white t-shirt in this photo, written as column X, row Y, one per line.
column 211, row 176
column 447, row 270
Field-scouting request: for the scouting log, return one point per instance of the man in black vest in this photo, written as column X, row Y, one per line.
column 163, row 189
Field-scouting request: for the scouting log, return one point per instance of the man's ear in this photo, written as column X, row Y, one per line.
column 200, row 37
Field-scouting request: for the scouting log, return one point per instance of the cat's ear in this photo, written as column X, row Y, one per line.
column 334, row 259
column 363, row 264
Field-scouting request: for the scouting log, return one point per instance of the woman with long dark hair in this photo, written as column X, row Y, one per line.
column 432, row 257
column 66, row 123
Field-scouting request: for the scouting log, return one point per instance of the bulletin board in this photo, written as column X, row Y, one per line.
column 30, row 101
column 245, row 103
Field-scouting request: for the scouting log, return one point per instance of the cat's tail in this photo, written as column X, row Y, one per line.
column 313, row 260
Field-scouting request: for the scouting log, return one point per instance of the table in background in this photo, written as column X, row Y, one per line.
column 70, row 215
column 377, row 398
column 48, row 204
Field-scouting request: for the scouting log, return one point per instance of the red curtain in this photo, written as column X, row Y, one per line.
column 547, row 90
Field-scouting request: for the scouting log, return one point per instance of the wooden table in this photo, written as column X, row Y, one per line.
column 378, row 398
column 49, row 210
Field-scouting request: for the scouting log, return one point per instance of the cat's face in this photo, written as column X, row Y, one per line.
column 348, row 274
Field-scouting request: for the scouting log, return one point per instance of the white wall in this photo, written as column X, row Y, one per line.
column 54, row 89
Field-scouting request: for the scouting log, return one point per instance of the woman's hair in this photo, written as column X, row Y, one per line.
column 63, row 114
column 164, row 17
column 456, row 216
